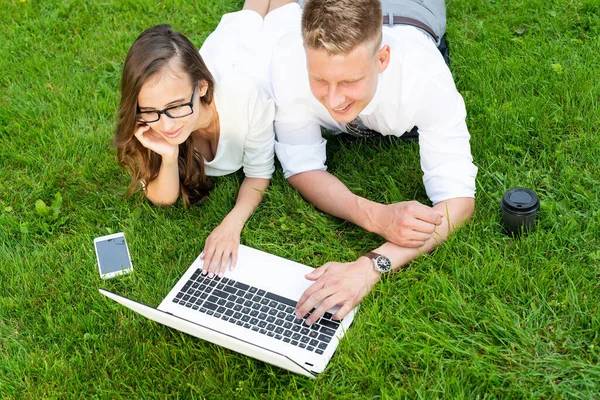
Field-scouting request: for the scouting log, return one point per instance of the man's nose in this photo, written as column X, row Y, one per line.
column 334, row 97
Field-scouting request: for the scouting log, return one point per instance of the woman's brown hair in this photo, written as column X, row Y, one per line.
column 151, row 52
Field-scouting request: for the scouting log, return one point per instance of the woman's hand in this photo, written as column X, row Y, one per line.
column 153, row 141
column 221, row 246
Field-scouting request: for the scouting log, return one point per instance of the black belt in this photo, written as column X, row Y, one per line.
column 409, row 21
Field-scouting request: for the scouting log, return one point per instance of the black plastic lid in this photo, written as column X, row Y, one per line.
column 520, row 200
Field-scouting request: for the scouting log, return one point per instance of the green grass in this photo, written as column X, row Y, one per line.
column 484, row 316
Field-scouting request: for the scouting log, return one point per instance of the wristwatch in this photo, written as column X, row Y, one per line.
column 380, row 262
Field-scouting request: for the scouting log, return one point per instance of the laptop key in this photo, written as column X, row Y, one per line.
column 210, row 306
column 246, row 310
column 221, row 309
column 264, row 301
column 271, row 319
column 252, row 289
column 255, row 328
column 248, row 303
column 237, row 315
column 290, row 318
column 241, row 293
column 278, row 337
column 310, row 348
column 265, row 309
column 256, row 306
column 217, row 315
column 279, row 322
column 195, row 307
column 270, row 334
column 229, row 313
column 313, row 334
column 230, row 290
column 221, row 302
column 254, row 321
column 262, row 316
column 327, row 331
column 279, row 330
column 314, row 342
column 245, row 318
column 220, row 293
column 273, row 311
column 210, row 312
column 281, row 307
column 296, row 336
column 304, row 331
column 286, row 339
column 240, row 300
column 281, row 314
column 263, row 331
column 261, row 292
column 254, row 313
column 240, row 323
column 287, row 333
column 287, row 325
column 262, row 324
column 237, row 307
column 271, row 327
column 296, row 328
column 324, row 338
column 213, row 299
column 319, row 351
column 247, row 325
column 281, row 299
column 256, row 298
column 304, row 339
column 241, row 285
column 302, row 345
column 179, row 295
column 294, row 342
column 272, row 304
column 329, row 324
column 248, row 295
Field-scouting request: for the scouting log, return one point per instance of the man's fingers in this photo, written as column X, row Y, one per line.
column 317, row 273
column 343, row 311
column 427, row 214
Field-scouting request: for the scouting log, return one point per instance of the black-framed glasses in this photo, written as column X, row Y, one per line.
column 179, row 111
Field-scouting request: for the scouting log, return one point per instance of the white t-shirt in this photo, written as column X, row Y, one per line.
column 246, row 136
column 416, row 89
column 237, row 54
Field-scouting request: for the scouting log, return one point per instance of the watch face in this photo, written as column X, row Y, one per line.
column 383, row 264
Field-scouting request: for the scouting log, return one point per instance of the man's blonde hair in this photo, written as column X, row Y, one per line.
column 339, row 26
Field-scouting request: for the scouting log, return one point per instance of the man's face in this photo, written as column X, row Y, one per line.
column 345, row 83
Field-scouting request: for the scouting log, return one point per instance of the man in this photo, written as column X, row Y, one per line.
column 348, row 73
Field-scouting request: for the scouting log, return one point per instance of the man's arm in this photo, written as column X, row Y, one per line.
column 346, row 284
column 408, row 224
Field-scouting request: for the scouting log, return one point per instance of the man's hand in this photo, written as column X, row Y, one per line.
column 407, row 224
column 343, row 284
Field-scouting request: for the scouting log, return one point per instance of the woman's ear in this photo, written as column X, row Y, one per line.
column 202, row 87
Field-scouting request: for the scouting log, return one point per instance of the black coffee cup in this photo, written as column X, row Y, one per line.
column 519, row 208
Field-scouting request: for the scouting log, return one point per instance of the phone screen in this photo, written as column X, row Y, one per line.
column 113, row 255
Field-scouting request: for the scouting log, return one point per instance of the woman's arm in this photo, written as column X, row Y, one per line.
column 224, row 240
column 164, row 190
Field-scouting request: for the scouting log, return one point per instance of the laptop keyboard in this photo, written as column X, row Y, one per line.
column 255, row 309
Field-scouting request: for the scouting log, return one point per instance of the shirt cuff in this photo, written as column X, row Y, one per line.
column 299, row 158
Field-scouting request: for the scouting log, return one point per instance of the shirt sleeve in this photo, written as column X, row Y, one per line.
column 446, row 161
column 259, row 156
column 300, row 147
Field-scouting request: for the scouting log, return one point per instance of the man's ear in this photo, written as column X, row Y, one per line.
column 383, row 58
column 202, row 87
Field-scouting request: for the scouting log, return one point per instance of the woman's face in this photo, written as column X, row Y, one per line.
column 166, row 91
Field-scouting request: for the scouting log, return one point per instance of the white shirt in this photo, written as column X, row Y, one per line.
column 416, row 89
column 246, row 136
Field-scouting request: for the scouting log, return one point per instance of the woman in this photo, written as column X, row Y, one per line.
column 179, row 124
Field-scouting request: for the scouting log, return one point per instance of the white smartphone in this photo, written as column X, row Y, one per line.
column 113, row 255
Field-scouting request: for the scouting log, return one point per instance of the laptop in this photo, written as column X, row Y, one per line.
column 251, row 311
